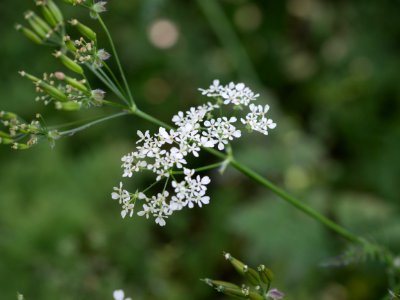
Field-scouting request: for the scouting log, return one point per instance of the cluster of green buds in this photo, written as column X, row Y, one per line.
column 66, row 92
column 45, row 29
column 22, row 135
column 258, row 287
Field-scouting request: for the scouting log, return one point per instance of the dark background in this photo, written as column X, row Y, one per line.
column 330, row 71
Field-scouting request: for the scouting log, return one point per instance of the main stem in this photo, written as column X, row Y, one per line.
column 116, row 59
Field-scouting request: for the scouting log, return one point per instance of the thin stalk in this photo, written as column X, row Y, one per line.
column 205, row 168
column 297, row 203
column 109, row 84
column 116, row 59
column 112, row 75
column 83, row 127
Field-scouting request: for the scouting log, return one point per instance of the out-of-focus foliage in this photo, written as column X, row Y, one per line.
column 330, row 71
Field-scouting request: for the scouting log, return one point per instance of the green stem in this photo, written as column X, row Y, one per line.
column 205, row 168
column 297, row 203
column 116, row 59
column 83, row 127
column 113, row 76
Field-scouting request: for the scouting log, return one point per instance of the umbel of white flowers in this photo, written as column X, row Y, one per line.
column 164, row 153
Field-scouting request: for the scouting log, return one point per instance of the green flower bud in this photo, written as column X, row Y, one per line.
column 83, row 29
column 4, row 135
column 38, row 24
column 252, row 276
column 48, row 16
column 19, row 146
column 68, row 106
column 49, row 89
column 6, row 141
column 240, row 267
column 266, row 274
column 55, row 11
column 5, row 115
column 72, row 82
column 69, row 44
column 29, row 34
column 69, row 63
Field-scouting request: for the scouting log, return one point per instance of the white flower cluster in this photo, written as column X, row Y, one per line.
column 164, row 153
column 240, row 95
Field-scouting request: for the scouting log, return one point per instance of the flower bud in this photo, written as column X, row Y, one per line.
column 29, row 34
column 38, row 24
column 83, row 29
column 68, row 106
column 48, row 16
column 5, row 115
column 69, row 63
column 266, row 274
column 69, row 44
column 71, row 81
column 252, row 276
column 19, row 146
column 49, row 89
column 55, row 11
column 6, row 141
column 238, row 265
column 4, row 135
column 226, row 288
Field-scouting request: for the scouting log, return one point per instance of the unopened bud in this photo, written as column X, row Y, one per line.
column 48, row 16
column 38, row 24
column 71, row 81
column 4, row 135
column 5, row 140
column 19, row 146
column 240, row 267
column 69, row 44
column 29, row 34
column 55, row 11
column 5, row 115
column 266, row 274
column 83, row 29
column 68, row 106
column 69, row 63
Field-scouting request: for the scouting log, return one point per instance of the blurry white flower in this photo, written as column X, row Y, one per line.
column 120, row 295
column 275, row 294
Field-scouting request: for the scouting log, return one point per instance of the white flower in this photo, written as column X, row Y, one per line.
column 256, row 119
column 236, row 94
column 120, row 295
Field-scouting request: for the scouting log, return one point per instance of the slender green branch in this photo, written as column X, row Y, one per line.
column 83, row 127
column 297, row 203
column 205, row 168
column 113, row 76
column 103, row 25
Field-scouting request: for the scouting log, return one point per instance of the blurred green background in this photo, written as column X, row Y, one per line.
column 330, row 71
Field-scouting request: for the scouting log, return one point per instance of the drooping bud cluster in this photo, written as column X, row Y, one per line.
column 22, row 135
column 46, row 29
column 165, row 153
column 259, row 287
